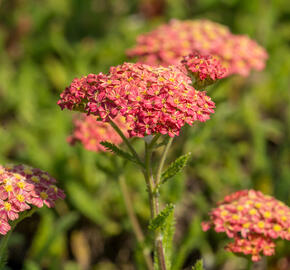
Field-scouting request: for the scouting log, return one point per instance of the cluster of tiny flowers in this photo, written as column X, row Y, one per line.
column 151, row 99
column 254, row 220
column 204, row 68
column 21, row 187
column 167, row 44
column 90, row 132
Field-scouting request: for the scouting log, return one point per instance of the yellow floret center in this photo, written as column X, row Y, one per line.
column 7, row 206
column 253, row 211
column 235, row 217
column 267, row 214
column 224, row 213
column 35, row 179
column 43, row 195
column 258, row 205
column 240, row 208
column 8, row 188
column 27, row 171
column 44, row 176
column 17, row 176
column 21, row 185
column 261, row 224
column 277, row 228
column 20, row 198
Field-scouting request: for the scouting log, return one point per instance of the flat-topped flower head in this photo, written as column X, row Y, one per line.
column 253, row 219
column 90, row 132
column 151, row 99
column 204, row 68
column 21, row 187
column 167, row 44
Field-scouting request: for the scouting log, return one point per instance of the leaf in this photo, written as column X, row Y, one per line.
column 198, row 265
column 116, row 150
column 160, row 220
column 168, row 233
column 175, row 167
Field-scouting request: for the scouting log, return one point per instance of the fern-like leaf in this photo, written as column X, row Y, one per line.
column 198, row 265
column 116, row 150
column 175, row 167
column 159, row 221
column 168, row 231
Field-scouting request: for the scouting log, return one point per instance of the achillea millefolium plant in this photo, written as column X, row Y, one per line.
column 23, row 189
column 154, row 102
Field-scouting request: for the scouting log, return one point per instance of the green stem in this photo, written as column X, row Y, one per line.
column 162, row 161
column 148, row 178
column 126, row 141
column 134, row 222
column 154, row 205
column 154, row 140
column 6, row 237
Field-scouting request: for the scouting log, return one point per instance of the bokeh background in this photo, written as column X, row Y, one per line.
column 45, row 44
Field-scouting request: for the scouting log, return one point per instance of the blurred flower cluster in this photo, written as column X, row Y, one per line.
column 21, row 187
column 167, row 44
column 90, row 132
column 205, row 69
column 253, row 219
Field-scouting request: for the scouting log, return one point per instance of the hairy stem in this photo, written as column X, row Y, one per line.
column 154, row 205
column 126, row 141
column 162, row 161
column 134, row 222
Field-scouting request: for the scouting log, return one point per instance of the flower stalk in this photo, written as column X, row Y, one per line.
column 154, row 204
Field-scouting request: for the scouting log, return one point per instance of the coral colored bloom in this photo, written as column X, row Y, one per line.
column 91, row 132
column 253, row 219
column 21, row 187
column 151, row 99
column 204, row 68
column 4, row 226
column 167, row 44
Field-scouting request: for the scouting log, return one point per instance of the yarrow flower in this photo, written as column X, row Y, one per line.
column 21, row 187
column 253, row 220
column 204, row 68
column 151, row 99
column 167, row 44
column 90, row 132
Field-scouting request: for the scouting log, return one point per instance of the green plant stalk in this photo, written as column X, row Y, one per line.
column 162, row 161
column 151, row 185
column 154, row 205
column 6, row 237
column 134, row 222
column 126, row 141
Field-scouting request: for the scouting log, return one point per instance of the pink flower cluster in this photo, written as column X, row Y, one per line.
column 253, row 220
column 204, row 68
column 151, row 99
column 22, row 186
column 167, row 44
column 91, row 132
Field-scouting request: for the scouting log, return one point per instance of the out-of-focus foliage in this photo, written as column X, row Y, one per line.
column 45, row 44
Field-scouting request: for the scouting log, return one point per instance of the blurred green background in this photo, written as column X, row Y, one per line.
column 45, row 44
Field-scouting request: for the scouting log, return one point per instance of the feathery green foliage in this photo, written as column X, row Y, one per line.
column 160, row 220
column 198, row 265
column 168, row 230
column 116, row 150
column 175, row 167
